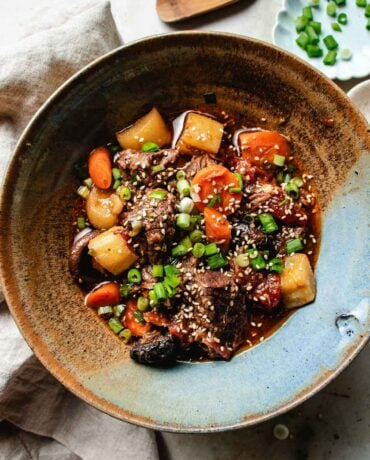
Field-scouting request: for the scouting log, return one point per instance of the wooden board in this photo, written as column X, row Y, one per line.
column 177, row 10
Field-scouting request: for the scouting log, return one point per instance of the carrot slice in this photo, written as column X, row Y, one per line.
column 156, row 318
column 259, row 146
column 130, row 322
column 215, row 184
column 100, row 167
column 106, row 294
column 218, row 228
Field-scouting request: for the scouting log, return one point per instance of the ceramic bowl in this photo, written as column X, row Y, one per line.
column 173, row 72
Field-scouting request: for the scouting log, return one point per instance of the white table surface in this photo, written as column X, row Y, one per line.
column 335, row 423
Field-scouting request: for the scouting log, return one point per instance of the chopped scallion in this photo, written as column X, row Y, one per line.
column 118, row 310
column 330, row 42
column 276, row 265
column 134, row 276
column 240, row 179
column 279, row 160
column 331, row 9
column 157, row 168
column 125, row 335
column 361, row 3
column 180, row 175
column 235, row 190
column 298, row 181
column 302, row 40
column 116, row 184
column 336, row 27
column 186, row 205
column 153, row 298
column 340, row 2
column 342, row 19
column 160, row 291
column 159, row 195
column 83, row 191
column 88, row 182
column 242, row 260
column 256, row 260
column 81, row 224
column 183, row 221
column 313, row 38
column 157, row 271
column 142, row 303
column 314, row 51
column 183, row 187
column 179, row 251
column 125, row 290
column 268, row 222
column 307, row 13
column 292, row 190
column 346, row 54
column 150, row 147
column 125, row 194
column 294, row 246
column 170, row 270
column 300, row 23
column 116, row 174
column 115, row 325
column 330, row 58
column 105, row 312
column 196, row 236
column 198, row 250
column 316, row 26
column 139, row 317
column 186, row 242
column 217, row 261
column 211, row 249
column 367, row 11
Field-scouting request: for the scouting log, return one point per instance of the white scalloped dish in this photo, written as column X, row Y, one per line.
column 354, row 36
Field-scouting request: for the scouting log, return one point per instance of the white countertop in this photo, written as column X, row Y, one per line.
column 334, row 424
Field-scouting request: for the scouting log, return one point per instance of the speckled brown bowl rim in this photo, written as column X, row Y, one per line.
column 41, row 350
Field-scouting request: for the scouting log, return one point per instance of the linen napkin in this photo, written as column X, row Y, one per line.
column 57, row 43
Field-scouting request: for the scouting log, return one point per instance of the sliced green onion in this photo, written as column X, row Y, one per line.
column 280, row 177
column 235, row 190
column 240, row 179
column 302, row 40
column 118, row 310
column 135, row 178
column 211, row 249
column 316, row 26
column 361, row 3
column 83, row 191
column 195, row 220
column 242, row 260
column 88, row 182
column 331, row 9
column 134, row 276
column 314, row 51
column 297, row 181
column 279, row 160
column 173, row 281
column 213, row 201
column 196, row 236
column 136, row 225
column 81, row 222
column 125, row 335
column 342, row 19
column 150, row 147
column 313, row 38
column 336, row 27
column 142, row 303
column 330, row 42
column 125, row 194
column 340, row 2
column 346, row 54
column 300, row 23
column 294, row 246
column 307, row 13
column 125, row 290
column 115, row 325
column 292, row 190
column 330, row 58
column 186, row 242
column 256, row 260
column 268, row 222
column 170, row 270
column 315, row 2
column 116, row 184
column 368, row 24
column 183, row 221
column 160, row 291
column 105, row 312
column 367, row 11
column 159, row 195
column 139, row 317
column 157, row 168
column 198, row 250
column 180, row 175
column 116, row 173
column 287, row 178
column 153, row 298
column 183, row 187
column 217, row 261
column 171, row 291
column 157, row 271
column 186, row 205
column 178, row 251
column 276, row 265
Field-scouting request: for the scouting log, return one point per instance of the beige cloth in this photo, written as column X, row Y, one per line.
column 57, row 44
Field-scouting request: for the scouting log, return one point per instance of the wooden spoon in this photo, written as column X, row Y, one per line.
column 177, row 10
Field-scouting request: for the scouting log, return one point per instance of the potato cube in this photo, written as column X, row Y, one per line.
column 111, row 251
column 103, row 208
column 297, row 281
column 149, row 128
column 200, row 133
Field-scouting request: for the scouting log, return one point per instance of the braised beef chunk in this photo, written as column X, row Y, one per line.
column 215, row 314
column 157, row 217
column 155, row 349
column 133, row 162
column 197, row 163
